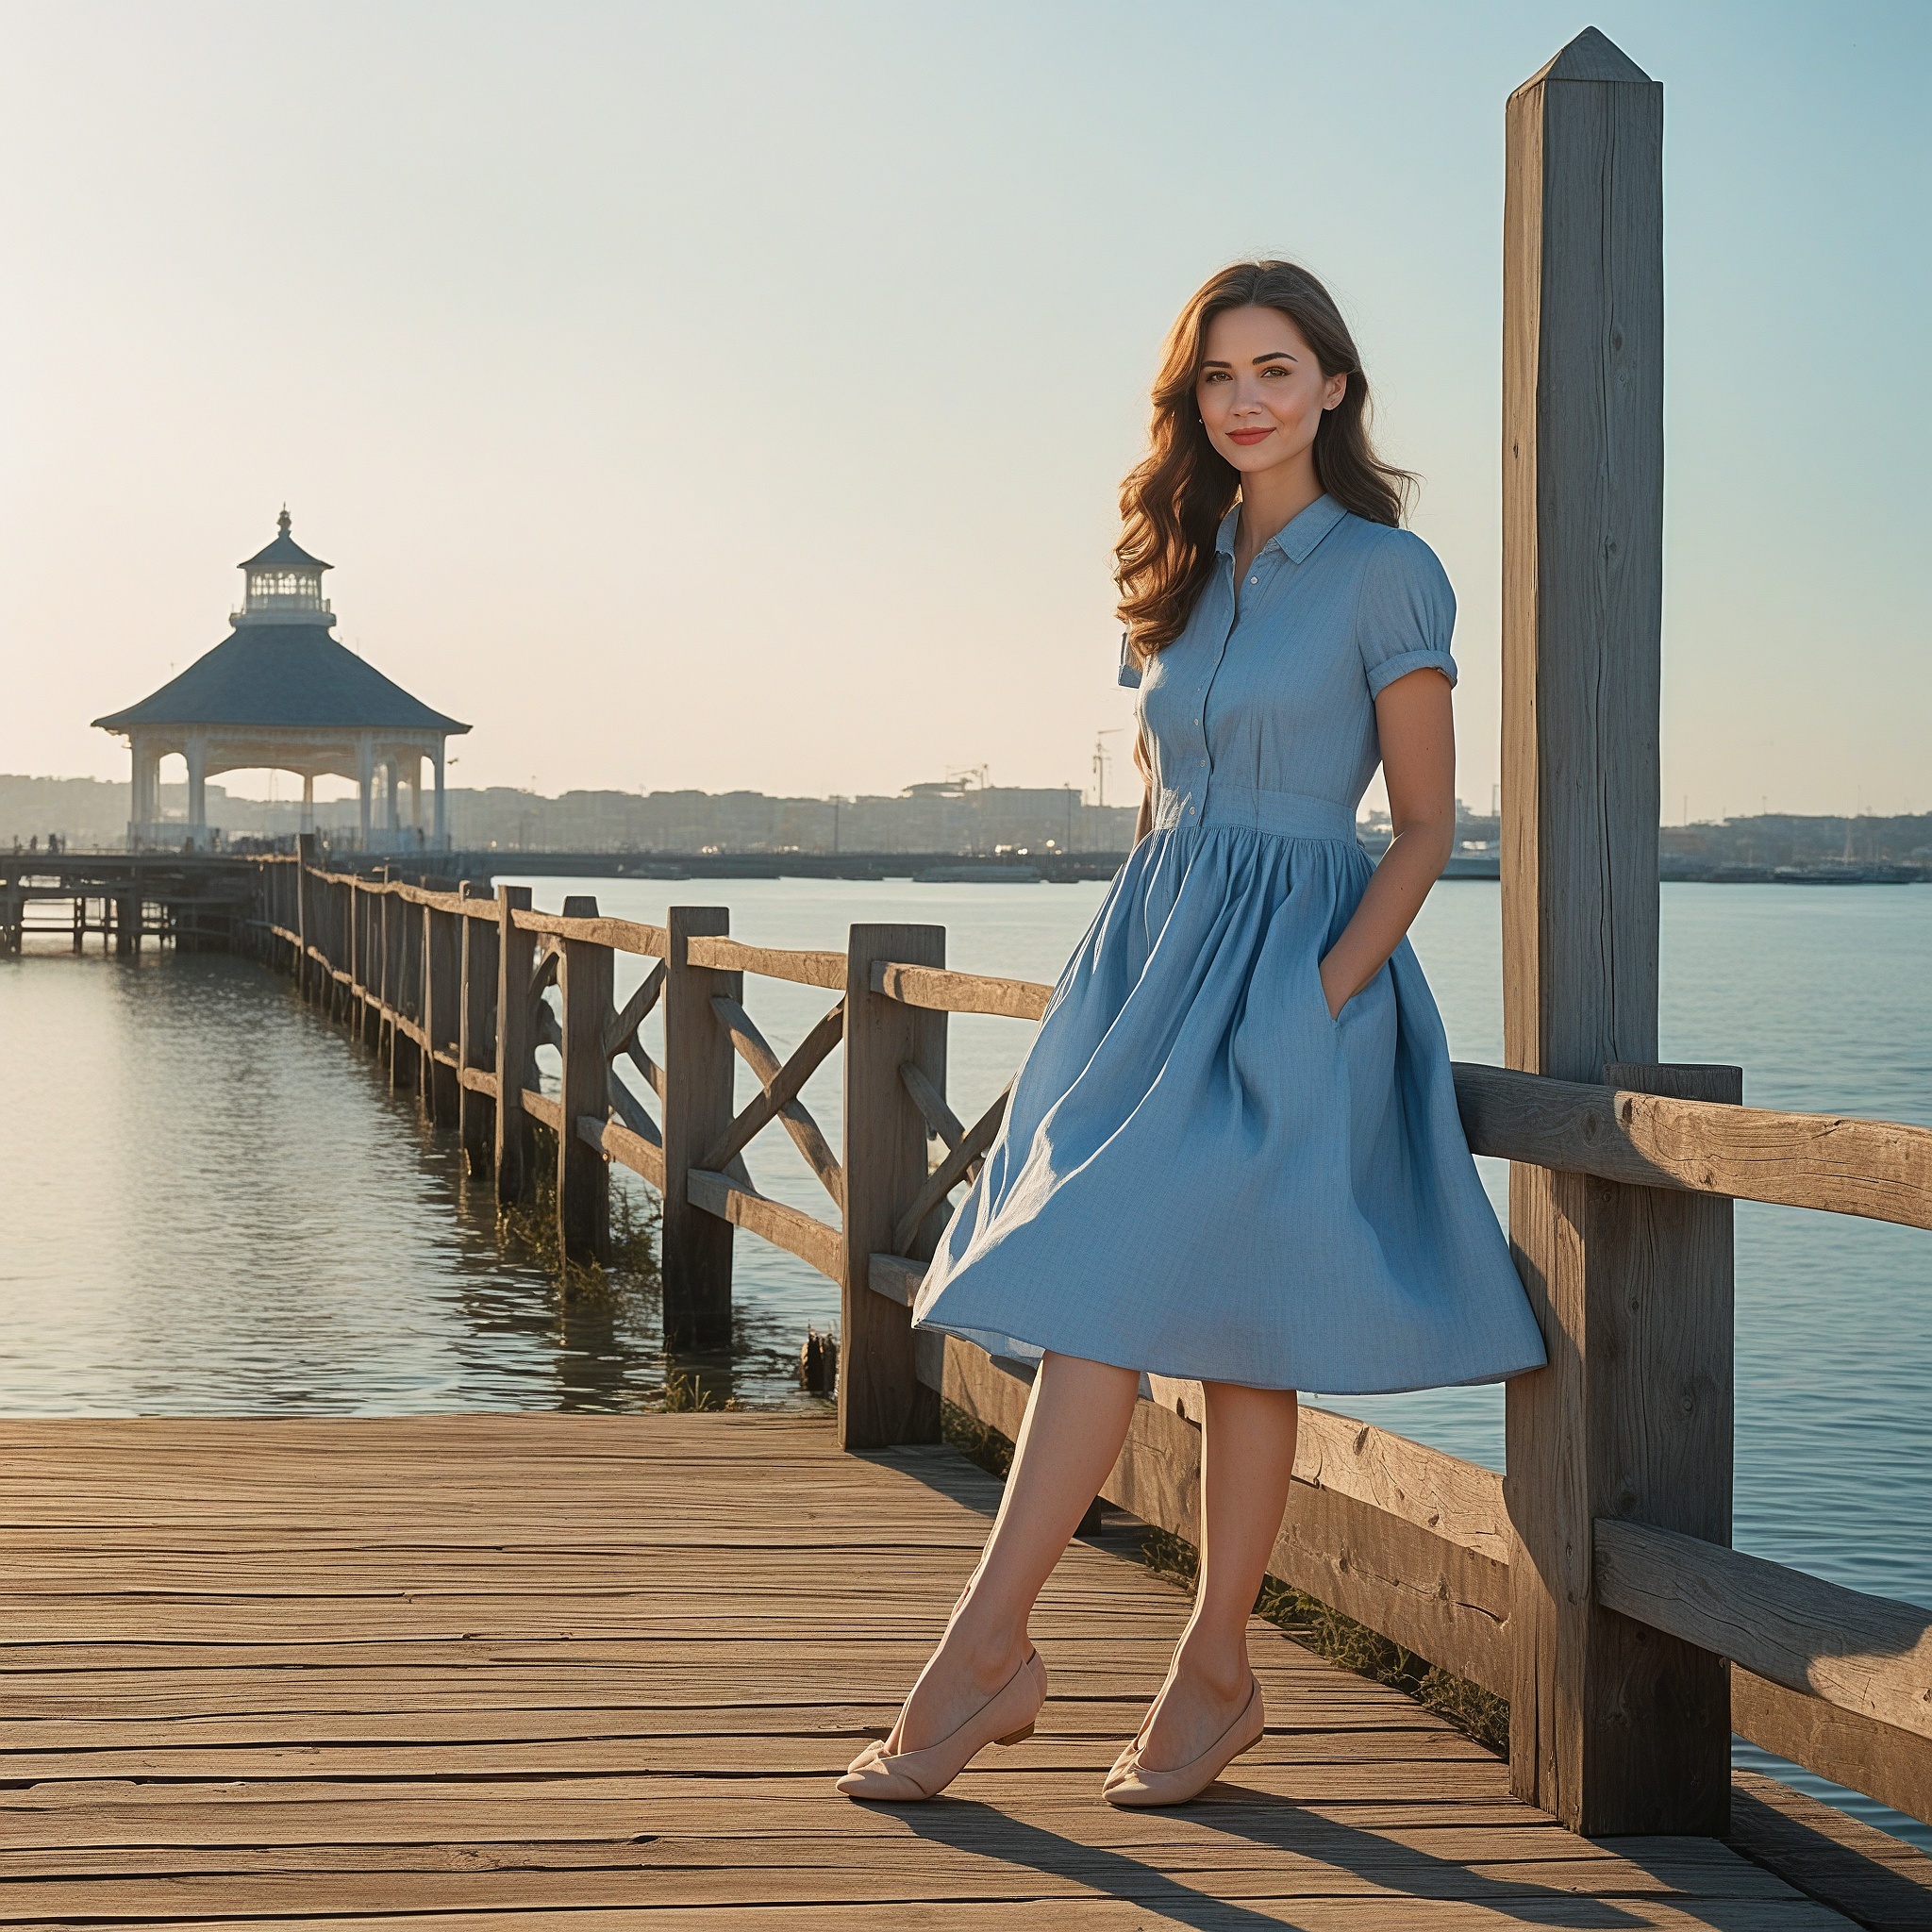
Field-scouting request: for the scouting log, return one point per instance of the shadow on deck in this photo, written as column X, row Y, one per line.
column 492, row 1671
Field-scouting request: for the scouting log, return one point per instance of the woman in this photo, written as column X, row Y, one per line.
column 1233, row 1153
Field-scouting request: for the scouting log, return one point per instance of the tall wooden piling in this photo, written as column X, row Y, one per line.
column 307, row 850
column 881, row 1399
column 699, row 1068
column 516, row 958
column 583, row 1176
column 476, row 974
column 1613, row 1728
column 442, row 1010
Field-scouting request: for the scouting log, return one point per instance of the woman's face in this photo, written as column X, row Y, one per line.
column 1261, row 390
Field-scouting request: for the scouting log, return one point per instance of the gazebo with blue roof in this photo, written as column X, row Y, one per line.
column 279, row 693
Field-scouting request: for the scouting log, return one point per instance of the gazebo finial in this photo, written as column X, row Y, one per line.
column 282, row 520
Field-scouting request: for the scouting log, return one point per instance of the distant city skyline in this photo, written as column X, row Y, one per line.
column 736, row 398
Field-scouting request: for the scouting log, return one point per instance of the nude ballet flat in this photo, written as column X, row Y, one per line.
column 1131, row 1783
column 876, row 1748
column 906, row 1777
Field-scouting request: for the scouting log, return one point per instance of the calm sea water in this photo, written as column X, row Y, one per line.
column 212, row 1205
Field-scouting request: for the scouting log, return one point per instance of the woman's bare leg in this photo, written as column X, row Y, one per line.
column 1076, row 1421
column 1247, row 1457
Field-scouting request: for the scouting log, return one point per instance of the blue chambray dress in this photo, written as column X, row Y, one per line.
column 1201, row 1174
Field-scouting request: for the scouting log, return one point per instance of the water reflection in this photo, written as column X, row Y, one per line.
column 215, row 1205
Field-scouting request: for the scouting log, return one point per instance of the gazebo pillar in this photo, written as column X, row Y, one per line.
column 442, row 820
column 197, row 789
column 365, row 778
column 416, row 793
column 145, row 805
column 392, row 815
column 309, row 801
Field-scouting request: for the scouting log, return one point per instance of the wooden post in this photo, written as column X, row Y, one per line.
column 441, row 1008
column 305, row 910
column 342, row 953
column 1613, row 1728
column 398, row 992
column 881, row 1401
column 516, row 959
column 358, row 959
column 699, row 1070
column 584, row 972
column 474, row 1046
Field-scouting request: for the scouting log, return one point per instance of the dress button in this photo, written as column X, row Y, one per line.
column 1253, row 580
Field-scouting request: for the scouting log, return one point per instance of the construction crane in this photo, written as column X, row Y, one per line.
column 1101, row 756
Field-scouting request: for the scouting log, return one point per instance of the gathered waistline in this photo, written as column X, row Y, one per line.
column 1246, row 808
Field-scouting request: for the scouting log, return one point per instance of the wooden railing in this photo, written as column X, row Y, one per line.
column 1420, row 1546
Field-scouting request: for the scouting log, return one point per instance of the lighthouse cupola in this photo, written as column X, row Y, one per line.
column 283, row 584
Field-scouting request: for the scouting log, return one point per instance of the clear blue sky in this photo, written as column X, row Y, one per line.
column 736, row 395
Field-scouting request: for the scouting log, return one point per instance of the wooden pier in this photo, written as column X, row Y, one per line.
column 476, row 1671
column 192, row 901
column 522, row 1671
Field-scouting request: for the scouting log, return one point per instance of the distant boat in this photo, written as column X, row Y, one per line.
column 1847, row 871
column 991, row 874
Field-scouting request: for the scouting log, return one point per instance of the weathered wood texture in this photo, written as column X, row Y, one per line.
column 881, row 1399
column 699, row 1067
column 1868, row 1655
column 1893, row 1766
column 1583, row 471
column 1609, row 1730
column 1617, row 1727
column 942, row 991
column 788, row 1227
column 583, row 1178
column 475, row 1052
column 442, row 1010
column 485, row 1672
column 781, row 1090
column 515, row 959
column 1880, row 1883
column 1880, row 1170
column 770, row 962
column 624, row 935
column 756, row 1051
column 644, row 1156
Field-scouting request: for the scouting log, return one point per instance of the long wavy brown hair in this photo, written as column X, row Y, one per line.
column 1173, row 499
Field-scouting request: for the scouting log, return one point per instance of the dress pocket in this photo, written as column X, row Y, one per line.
column 1333, row 1020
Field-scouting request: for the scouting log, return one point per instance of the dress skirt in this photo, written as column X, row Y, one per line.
column 1201, row 1175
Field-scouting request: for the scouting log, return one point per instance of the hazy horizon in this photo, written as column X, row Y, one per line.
column 737, row 397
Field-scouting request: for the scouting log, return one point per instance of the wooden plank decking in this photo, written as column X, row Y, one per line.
column 493, row 1671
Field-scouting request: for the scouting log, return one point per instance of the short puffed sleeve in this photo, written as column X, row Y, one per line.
column 1404, row 611
column 1130, row 672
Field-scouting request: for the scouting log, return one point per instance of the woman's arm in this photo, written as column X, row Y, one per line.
column 1417, row 728
column 1143, row 821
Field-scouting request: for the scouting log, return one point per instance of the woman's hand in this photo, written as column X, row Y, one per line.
column 1416, row 726
column 1335, row 988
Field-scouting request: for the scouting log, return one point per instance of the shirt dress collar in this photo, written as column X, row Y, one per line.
column 1296, row 538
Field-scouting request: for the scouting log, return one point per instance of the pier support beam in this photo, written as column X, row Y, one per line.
column 583, row 1176
column 516, row 959
column 1613, row 1728
column 881, row 1399
column 441, row 1010
column 476, row 974
column 699, row 1068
